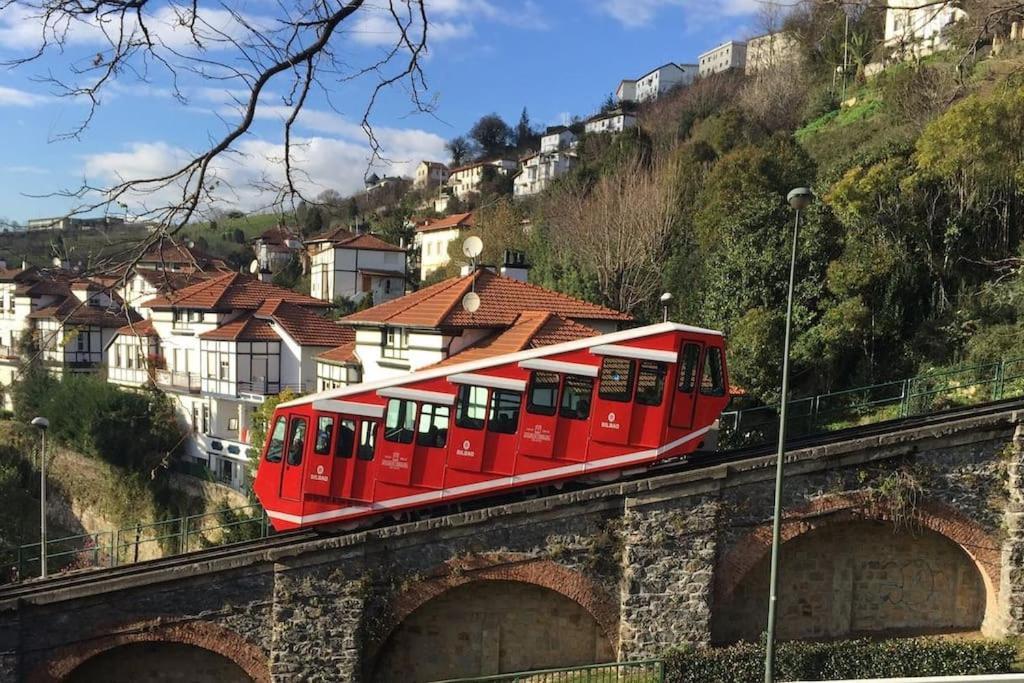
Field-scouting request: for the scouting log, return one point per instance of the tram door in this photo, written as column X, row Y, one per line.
column 555, row 422
column 467, row 434
column 295, row 446
column 540, row 420
column 354, row 451
column 572, row 434
column 396, row 451
column 684, row 393
column 613, row 406
column 320, row 464
column 431, row 445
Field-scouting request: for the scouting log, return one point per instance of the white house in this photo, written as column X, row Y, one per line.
column 538, row 170
column 430, row 174
column 353, row 265
column 916, row 28
column 218, row 348
column 657, row 82
column 466, row 180
column 275, row 248
column 557, row 138
column 770, row 50
column 614, row 121
column 430, row 326
column 433, row 237
column 730, row 55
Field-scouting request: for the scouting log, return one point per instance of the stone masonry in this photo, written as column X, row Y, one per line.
column 626, row 570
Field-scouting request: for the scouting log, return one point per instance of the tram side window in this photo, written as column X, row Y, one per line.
column 324, row 430
column 543, row 396
column 346, row 439
column 367, row 440
column 400, row 422
column 472, row 407
column 504, row 417
column 617, row 379
column 433, row 429
column 298, row 441
column 688, row 368
column 576, row 397
column 650, row 383
column 276, row 448
column 712, row 382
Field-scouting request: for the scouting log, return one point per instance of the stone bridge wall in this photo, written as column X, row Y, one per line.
column 631, row 568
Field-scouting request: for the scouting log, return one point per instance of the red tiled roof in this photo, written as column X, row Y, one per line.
column 140, row 329
column 71, row 311
column 245, row 327
column 345, row 353
column 531, row 330
column 277, row 235
column 304, row 326
column 502, row 301
column 169, row 252
column 230, row 291
column 343, row 238
column 457, row 220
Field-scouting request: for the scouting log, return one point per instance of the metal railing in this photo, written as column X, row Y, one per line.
column 919, row 395
column 647, row 671
column 179, row 380
column 141, row 541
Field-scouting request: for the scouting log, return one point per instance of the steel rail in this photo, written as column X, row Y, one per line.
column 29, row 587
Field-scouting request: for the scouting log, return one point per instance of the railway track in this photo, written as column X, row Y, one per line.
column 283, row 540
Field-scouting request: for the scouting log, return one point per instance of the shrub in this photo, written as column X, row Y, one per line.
column 841, row 660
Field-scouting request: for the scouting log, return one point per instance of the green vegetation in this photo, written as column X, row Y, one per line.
column 850, row 659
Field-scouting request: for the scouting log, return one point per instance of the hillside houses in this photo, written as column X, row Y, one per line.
column 728, row 55
column 466, row 180
column 556, row 158
column 430, row 174
column 913, row 28
column 614, row 121
column 353, row 265
column 655, row 82
column 433, row 238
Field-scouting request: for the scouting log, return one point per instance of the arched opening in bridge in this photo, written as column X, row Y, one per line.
column 158, row 662
column 490, row 627
column 859, row 578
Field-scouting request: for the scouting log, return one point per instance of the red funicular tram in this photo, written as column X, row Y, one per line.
column 590, row 407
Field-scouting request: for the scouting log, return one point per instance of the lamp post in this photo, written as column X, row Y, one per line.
column 799, row 199
column 42, row 424
column 666, row 299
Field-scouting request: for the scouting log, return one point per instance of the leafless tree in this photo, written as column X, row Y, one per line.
column 618, row 229
column 268, row 65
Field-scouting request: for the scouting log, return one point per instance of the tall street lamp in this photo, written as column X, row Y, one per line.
column 799, row 199
column 42, row 424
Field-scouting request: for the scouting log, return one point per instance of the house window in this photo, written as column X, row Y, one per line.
column 233, row 424
column 396, row 343
column 206, row 418
column 225, row 367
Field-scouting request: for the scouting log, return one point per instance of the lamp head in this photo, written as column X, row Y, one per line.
column 800, row 198
column 666, row 297
column 41, row 423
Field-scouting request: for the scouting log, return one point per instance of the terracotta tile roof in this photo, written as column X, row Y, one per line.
column 245, row 327
column 457, row 220
column 140, row 329
column 169, row 252
column 71, row 311
column 345, row 353
column 18, row 274
column 502, row 300
column 303, row 325
column 277, row 235
column 531, row 330
column 230, row 291
column 170, row 281
column 342, row 238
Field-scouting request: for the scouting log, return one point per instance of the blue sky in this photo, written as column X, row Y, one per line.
column 556, row 57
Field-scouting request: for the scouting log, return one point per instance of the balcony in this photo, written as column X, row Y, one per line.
column 258, row 389
column 8, row 352
column 188, row 381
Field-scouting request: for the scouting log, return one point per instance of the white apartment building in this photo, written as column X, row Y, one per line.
column 354, row 265
column 275, row 247
column 770, row 50
column 538, row 170
column 730, row 55
column 218, row 348
column 610, row 122
column 433, row 237
column 430, row 174
column 557, row 138
column 655, row 83
column 465, row 180
column 913, row 28
column 430, row 326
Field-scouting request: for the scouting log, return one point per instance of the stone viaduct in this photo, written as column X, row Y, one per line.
column 916, row 531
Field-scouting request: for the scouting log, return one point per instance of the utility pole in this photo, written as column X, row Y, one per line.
column 42, row 424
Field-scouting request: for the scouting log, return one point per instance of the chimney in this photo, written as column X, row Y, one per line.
column 265, row 275
column 515, row 265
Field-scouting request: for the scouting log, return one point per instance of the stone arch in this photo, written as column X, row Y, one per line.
column 497, row 568
column 201, row 634
column 980, row 549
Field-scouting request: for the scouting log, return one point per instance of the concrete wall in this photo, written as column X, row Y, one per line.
column 910, row 532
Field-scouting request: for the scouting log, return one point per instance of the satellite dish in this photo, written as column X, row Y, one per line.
column 190, row 244
column 471, row 302
column 56, row 261
column 472, row 247
column 254, row 267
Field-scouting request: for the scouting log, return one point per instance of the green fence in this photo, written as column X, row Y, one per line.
column 648, row 671
column 141, row 541
column 920, row 395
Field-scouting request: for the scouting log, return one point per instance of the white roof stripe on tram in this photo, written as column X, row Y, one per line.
column 634, row 352
column 417, row 395
column 348, row 408
column 471, row 366
column 488, row 381
column 581, row 468
column 560, row 366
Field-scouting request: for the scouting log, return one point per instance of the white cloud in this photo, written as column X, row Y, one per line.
column 12, row 97
column 447, row 20
column 636, row 13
